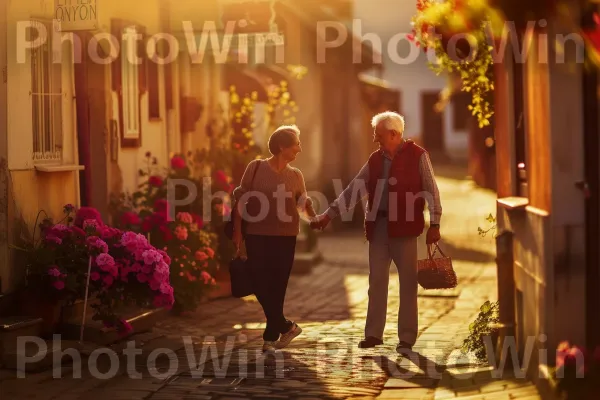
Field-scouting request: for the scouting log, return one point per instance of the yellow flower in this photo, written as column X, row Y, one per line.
column 254, row 95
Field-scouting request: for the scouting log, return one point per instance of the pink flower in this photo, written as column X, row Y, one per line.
column 151, row 257
column 91, row 224
column 200, row 255
column 78, row 231
column 60, row 285
column 165, row 257
column 177, row 162
column 105, row 261
column 206, row 277
column 142, row 278
column 54, row 272
column 53, row 239
column 97, row 244
column 108, row 233
column 181, row 233
column 94, row 276
column 108, row 280
column 185, row 217
column 85, row 213
column 155, row 181
column 210, row 252
column 154, row 284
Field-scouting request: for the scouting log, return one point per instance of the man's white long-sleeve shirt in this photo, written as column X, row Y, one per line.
column 348, row 199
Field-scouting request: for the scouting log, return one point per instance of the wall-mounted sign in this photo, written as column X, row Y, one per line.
column 76, row 15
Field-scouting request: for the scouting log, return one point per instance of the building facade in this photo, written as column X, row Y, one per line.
column 546, row 134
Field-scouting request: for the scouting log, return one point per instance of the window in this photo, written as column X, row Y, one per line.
column 46, row 97
column 460, row 111
column 129, row 79
column 130, row 82
column 153, row 91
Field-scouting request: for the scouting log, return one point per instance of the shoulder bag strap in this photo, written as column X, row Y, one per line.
column 254, row 174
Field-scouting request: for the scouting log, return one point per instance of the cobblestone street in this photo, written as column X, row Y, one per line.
column 330, row 304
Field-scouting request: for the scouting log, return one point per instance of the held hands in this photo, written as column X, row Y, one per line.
column 433, row 235
column 320, row 222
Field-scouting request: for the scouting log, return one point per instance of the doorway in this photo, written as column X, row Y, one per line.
column 591, row 188
column 432, row 123
column 92, row 129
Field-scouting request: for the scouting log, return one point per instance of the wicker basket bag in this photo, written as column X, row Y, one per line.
column 436, row 273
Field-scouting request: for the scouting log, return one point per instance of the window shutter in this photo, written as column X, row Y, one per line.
column 116, row 29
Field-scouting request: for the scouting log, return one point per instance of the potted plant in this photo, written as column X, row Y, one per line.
column 124, row 269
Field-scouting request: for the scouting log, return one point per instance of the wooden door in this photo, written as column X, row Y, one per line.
column 432, row 123
column 590, row 186
column 92, row 130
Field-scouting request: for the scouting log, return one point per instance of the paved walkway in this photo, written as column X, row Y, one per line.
column 224, row 336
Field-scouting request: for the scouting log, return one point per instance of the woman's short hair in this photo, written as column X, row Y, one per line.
column 390, row 120
column 283, row 137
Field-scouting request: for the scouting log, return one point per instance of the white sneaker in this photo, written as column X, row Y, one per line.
column 286, row 338
column 269, row 346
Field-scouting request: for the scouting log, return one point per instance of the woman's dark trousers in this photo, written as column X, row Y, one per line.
column 270, row 259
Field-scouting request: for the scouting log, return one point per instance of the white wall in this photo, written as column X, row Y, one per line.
column 390, row 20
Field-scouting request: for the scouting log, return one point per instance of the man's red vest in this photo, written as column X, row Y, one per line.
column 405, row 186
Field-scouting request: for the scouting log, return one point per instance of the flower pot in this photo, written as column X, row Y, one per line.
column 47, row 309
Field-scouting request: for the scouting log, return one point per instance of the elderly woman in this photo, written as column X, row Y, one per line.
column 270, row 195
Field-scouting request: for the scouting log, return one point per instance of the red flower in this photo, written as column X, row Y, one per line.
column 85, row 213
column 130, row 218
column 155, row 181
column 161, row 205
column 177, row 162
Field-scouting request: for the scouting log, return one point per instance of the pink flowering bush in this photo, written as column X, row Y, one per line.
column 125, row 268
column 180, row 232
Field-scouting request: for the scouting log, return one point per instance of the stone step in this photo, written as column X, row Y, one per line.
column 95, row 332
column 11, row 328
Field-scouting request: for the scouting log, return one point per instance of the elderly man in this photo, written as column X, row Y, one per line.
column 397, row 179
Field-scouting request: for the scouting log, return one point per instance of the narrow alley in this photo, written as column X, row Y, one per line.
column 330, row 304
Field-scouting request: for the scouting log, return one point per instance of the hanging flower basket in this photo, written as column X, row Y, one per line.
column 459, row 32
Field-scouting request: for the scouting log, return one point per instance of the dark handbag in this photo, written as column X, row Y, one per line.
column 241, row 278
column 229, row 225
column 436, row 273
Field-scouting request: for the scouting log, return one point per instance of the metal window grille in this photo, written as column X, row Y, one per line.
column 130, row 82
column 46, row 97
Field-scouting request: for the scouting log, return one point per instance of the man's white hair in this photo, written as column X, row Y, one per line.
column 390, row 120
